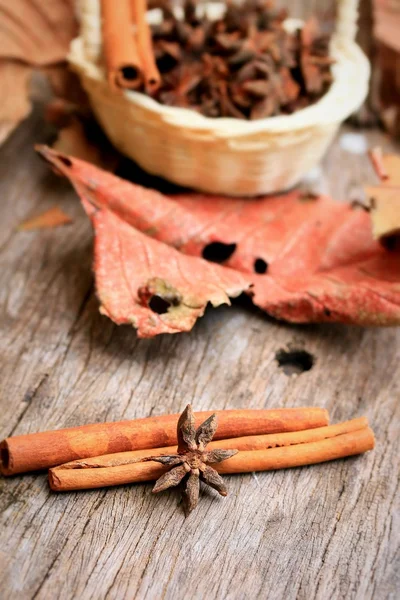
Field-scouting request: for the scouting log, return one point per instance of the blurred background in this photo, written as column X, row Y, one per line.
column 31, row 41
column 379, row 36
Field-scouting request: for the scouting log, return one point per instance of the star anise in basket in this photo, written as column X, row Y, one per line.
column 245, row 64
column 192, row 462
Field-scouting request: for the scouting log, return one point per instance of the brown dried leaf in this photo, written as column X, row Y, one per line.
column 36, row 32
column 385, row 198
column 33, row 33
column 14, row 104
column 54, row 217
column 87, row 144
column 59, row 112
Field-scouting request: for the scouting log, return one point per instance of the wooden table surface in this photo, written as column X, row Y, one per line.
column 327, row 531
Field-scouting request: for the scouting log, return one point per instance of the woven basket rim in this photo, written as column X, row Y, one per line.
column 348, row 91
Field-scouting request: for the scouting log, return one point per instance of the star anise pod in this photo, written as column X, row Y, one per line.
column 178, row 84
column 191, row 463
column 243, row 65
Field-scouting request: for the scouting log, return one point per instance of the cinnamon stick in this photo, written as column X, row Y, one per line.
column 36, row 451
column 346, row 439
column 151, row 73
column 341, row 446
column 250, row 442
column 124, row 67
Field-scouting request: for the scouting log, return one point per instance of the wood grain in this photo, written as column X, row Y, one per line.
column 327, row 531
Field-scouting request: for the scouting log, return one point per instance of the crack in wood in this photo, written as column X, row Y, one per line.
column 28, row 398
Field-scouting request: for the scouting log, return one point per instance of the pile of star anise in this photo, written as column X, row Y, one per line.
column 244, row 65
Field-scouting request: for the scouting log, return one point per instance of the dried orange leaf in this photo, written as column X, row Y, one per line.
column 142, row 282
column 54, row 217
column 309, row 260
column 385, row 197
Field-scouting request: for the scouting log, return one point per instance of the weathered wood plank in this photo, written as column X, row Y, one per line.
column 326, row 531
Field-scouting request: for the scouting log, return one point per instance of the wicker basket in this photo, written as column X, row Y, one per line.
column 223, row 155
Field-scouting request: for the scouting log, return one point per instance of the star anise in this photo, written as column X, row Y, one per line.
column 244, row 65
column 178, row 84
column 191, row 463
